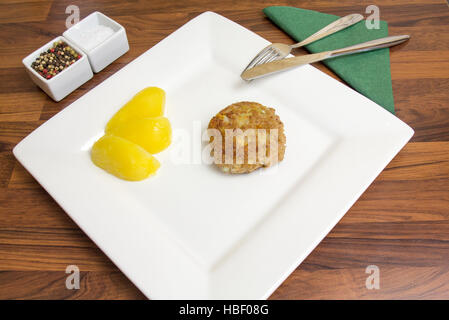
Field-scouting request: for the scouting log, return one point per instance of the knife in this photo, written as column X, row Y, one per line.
column 288, row 63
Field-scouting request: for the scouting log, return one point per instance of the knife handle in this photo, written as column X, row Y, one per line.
column 335, row 26
column 370, row 45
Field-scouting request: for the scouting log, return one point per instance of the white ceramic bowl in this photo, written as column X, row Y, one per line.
column 59, row 86
column 103, row 53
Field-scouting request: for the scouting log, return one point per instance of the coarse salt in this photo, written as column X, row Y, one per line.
column 94, row 35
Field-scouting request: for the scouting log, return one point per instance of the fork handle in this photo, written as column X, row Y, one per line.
column 335, row 26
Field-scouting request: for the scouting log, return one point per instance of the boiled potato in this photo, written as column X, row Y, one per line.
column 152, row 134
column 149, row 102
column 123, row 158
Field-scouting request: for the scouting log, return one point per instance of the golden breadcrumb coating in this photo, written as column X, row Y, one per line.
column 251, row 151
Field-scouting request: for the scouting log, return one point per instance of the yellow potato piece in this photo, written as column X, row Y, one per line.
column 149, row 102
column 123, row 158
column 152, row 134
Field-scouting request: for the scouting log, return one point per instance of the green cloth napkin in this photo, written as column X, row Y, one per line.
column 368, row 72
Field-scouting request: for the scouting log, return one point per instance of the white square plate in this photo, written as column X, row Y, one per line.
column 191, row 232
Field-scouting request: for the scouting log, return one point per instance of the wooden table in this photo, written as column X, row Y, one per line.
column 400, row 224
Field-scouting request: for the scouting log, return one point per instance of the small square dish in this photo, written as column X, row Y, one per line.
column 59, row 86
column 191, row 232
column 103, row 39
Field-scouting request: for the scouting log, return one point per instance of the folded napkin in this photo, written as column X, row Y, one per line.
column 368, row 72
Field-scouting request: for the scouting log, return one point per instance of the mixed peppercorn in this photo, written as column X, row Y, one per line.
column 56, row 59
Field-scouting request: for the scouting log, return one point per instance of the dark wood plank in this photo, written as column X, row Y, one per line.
column 93, row 285
column 24, row 11
column 349, row 283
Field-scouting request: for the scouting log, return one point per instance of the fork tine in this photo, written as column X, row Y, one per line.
column 267, row 56
column 259, row 56
column 273, row 57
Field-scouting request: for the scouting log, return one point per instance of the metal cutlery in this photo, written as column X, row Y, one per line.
column 277, row 51
column 288, row 63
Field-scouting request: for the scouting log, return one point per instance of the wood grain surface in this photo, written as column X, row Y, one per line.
column 400, row 224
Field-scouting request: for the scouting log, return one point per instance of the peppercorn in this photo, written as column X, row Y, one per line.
column 55, row 59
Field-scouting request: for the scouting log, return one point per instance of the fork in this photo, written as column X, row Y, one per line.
column 277, row 51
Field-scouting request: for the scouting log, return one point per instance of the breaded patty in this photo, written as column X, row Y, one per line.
column 248, row 148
